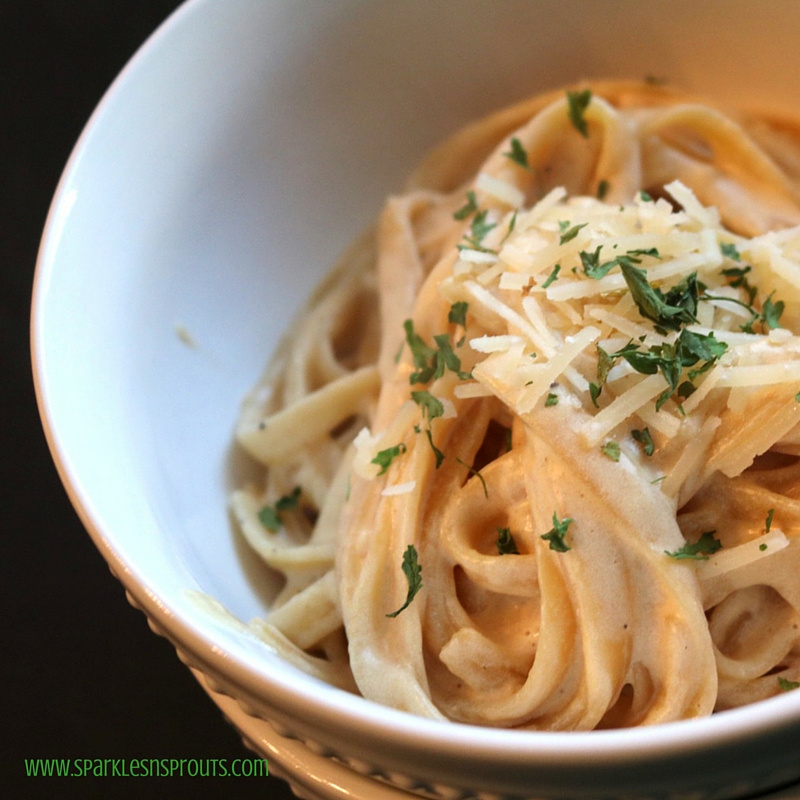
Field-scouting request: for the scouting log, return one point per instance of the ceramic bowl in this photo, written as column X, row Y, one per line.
column 221, row 175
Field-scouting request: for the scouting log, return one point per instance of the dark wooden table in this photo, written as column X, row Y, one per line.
column 82, row 674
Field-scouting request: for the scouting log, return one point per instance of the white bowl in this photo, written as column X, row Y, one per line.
column 222, row 174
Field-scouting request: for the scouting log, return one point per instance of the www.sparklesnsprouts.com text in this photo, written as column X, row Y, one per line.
column 147, row 767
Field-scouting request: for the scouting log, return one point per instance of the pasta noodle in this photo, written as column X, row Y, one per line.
column 532, row 450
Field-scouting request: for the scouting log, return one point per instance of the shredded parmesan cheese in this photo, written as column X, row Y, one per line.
column 399, row 488
column 743, row 554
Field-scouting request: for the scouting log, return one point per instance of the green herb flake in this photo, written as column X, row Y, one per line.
column 769, row 316
column 480, row 227
column 787, row 685
column 645, row 439
column 430, row 406
column 592, row 267
column 511, row 224
column 477, row 474
column 738, row 278
column 413, row 572
column 445, row 357
column 518, row 154
column 505, row 542
column 577, row 103
column 468, row 209
column 557, row 534
column 729, row 250
column 645, row 197
column 762, row 547
column 270, row 516
column 553, row 276
column 611, row 449
column 289, row 501
column 420, row 352
column 771, row 312
column 385, row 457
column 437, row 453
column 768, row 523
column 552, row 400
column 270, row 519
column 569, row 234
column 602, row 189
column 671, row 310
column 458, row 313
column 705, row 546
column 431, row 362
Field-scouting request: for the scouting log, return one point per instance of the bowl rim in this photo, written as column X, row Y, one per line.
column 332, row 707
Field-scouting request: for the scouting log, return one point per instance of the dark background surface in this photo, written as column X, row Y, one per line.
column 82, row 674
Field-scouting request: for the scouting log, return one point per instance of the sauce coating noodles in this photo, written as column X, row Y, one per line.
column 557, row 386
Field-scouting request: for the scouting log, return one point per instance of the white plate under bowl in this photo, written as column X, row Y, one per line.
column 219, row 178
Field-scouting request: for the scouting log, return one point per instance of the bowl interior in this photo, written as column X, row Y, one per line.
column 221, row 176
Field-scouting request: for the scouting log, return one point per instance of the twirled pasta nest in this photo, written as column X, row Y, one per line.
column 532, row 448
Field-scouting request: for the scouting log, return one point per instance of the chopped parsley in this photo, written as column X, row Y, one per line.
column 477, row 474
column 645, row 439
column 430, row 406
column 611, row 449
column 557, row 533
column 270, row 516
column 787, row 685
column 768, row 524
column 669, row 359
column 505, row 542
column 458, row 313
column 729, row 250
column 437, row 453
column 770, row 315
column 511, row 225
column 705, row 546
column 568, row 234
column 577, row 103
column 385, row 457
column 479, row 227
column 771, row 312
column 518, row 154
column 413, row 573
column 602, row 189
column 669, row 311
column 553, row 276
column 445, row 358
column 420, row 351
column 469, row 208
column 738, row 276
column 431, row 362
column 594, row 268
column 552, row 400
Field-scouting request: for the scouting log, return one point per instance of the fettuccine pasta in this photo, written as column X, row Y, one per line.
column 533, row 449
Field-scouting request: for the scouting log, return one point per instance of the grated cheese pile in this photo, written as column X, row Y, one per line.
column 530, row 284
